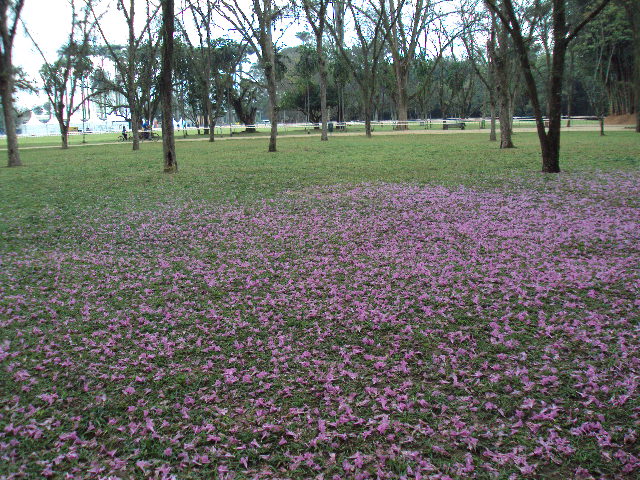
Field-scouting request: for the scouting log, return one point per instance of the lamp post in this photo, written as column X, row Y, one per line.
column 85, row 107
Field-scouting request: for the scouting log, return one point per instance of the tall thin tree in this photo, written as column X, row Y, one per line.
column 472, row 24
column 202, row 15
column 63, row 77
column 9, row 17
column 256, row 28
column 316, row 13
column 412, row 21
column 371, row 28
column 506, row 72
column 633, row 12
column 166, row 87
column 125, row 65
column 563, row 34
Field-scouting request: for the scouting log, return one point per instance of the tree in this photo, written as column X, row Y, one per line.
column 633, row 13
column 604, row 65
column 571, row 80
column 429, row 72
column 111, row 91
column 131, row 81
column 256, row 29
column 187, row 84
column 308, row 99
column 66, row 74
column 500, row 50
column 9, row 16
column 482, row 63
column 339, row 67
column 500, row 73
column 202, row 14
column 562, row 34
column 413, row 18
column 166, row 87
column 227, row 57
column 316, row 14
column 242, row 98
column 305, row 70
column 371, row 23
column 605, row 46
column 148, row 63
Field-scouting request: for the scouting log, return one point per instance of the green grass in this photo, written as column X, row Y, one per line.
column 283, row 130
column 62, row 183
column 92, row 226
column 103, row 175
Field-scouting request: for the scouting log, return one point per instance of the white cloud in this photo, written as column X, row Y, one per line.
column 49, row 22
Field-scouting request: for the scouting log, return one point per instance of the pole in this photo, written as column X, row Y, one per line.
column 84, row 109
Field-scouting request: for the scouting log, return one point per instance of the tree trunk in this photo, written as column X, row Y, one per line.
column 492, row 107
column 634, row 16
column 212, row 127
column 341, row 104
column 135, row 128
column 491, row 76
column 273, row 114
column 134, row 103
column 602, row 125
column 367, row 115
column 64, row 134
column 6, row 92
column 212, row 122
column 270, row 73
column 206, row 113
column 551, row 164
column 324, row 112
column 550, row 154
column 403, row 114
column 570, row 93
column 569, row 100
column 166, row 90
column 206, row 101
column 322, row 68
column 501, row 59
column 339, row 9
column 402, row 74
column 506, row 121
column 7, row 32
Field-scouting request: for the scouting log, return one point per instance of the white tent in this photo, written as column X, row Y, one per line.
column 76, row 120
column 114, row 123
column 34, row 127
column 53, row 128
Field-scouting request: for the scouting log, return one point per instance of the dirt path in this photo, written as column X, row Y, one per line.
column 586, row 128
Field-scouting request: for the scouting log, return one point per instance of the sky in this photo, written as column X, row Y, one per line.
column 48, row 22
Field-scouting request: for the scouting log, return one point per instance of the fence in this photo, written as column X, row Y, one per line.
column 385, row 125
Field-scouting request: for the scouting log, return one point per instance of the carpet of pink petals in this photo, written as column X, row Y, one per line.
column 371, row 331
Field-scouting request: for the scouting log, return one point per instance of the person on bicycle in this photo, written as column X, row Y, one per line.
column 146, row 134
column 124, row 132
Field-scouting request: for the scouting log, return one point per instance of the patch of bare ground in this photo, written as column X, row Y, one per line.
column 620, row 120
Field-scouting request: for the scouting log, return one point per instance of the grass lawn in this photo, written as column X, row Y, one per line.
column 283, row 130
column 405, row 306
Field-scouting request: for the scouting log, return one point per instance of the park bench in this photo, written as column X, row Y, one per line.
column 454, row 124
